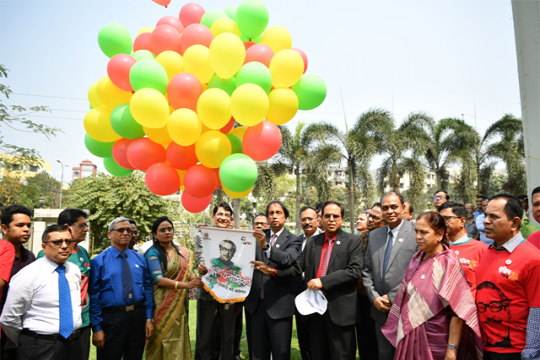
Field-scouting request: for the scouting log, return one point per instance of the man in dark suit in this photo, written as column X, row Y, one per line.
column 270, row 303
column 332, row 262
column 389, row 252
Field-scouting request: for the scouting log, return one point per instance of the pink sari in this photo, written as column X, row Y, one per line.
column 431, row 293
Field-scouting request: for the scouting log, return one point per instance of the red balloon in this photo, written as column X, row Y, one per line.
column 216, row 171
column 118, row 70
column 249, row 44
column 165, row 37
column 260, row 53
column 191, row 13
column 162, row 179
column 227, row 128
column 304, row 57
column 184, row 90
column 142, row 42
column 194, row 205
column 119, row 153
column 162, row 2
column 200, row 181
column 181, row 157
column 195, row 34
column 143, row 153
column 172, row 21
column 262, row 141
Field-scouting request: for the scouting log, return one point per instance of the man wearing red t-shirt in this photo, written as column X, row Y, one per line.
column 534, row 238
column 508, row 290
column 468, row 251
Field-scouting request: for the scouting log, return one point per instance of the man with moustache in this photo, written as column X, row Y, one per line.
column 134, row 236
column 260, row 222
column 17, row 229
column 365, row 324
column 439, row 198
column 121, row 297
column 389, row 252
column 42, row 313
column 270, row 303
column 480, row 223
column 75, row 219
column 310, row 224
column 361, row 222
column 408, row 213
column 470, row 225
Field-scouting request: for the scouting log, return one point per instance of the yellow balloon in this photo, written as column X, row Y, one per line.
column 227, row 55
column 236, row 195
column 283, row 106
column 97, row 123
column 277, row 38
column 239, row 131
column 224, row 25
column 147, row 29
column 92, row 96
column 286, row 68
column 249, row 104
column 184, row 127
column 214, row 108
column 111, row 96
column 204, row 86
column 181, row 174
column 197, row 62
column 212, row 148
column 150, row 108
column 160, row 136
column 172, row 62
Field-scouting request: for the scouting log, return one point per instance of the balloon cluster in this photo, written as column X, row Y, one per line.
column 171, row 99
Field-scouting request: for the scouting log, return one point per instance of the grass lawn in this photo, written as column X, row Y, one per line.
column 295, row 349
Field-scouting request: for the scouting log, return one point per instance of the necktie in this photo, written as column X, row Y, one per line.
column 272, row 242
column 387, row 253
column 127, row 281
column 64, row 303
column 327, row 254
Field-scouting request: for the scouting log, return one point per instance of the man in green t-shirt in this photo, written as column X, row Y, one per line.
column 76, row 220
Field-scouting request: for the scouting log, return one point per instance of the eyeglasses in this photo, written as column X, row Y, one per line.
column 166, row 230
column 226, row 250
column 223, row 215
column 374, row 217
column 122, row 230
column 58, row 243
column 438, row 197
column 82, row 226
column 495, row 306
column 332, row 216
column 261, row 223
column 135, row 233
column 448, row 218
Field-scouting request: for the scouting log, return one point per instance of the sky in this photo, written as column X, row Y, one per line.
column 447, row 58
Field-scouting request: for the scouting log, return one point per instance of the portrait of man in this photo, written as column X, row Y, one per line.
column 494, row 313
column 227, row 249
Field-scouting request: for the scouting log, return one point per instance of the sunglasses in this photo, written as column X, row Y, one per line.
column 58, row 243
column 122, row 230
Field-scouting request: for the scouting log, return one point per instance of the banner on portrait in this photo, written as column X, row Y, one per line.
column 228, row 255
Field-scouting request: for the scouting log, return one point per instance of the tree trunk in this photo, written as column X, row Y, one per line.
column 298, row 200
column 352, row 216
column 237, row 213
column 395, row 177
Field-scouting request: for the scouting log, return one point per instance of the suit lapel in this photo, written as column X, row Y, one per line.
column 282, row 239
column 263, row 252
column 318, row 243
column 402, row 235
column 383, row 246
column 337, row 247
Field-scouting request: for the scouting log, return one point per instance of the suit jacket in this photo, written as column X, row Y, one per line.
column 278, row 292
column 344, row 270
column 402, row 252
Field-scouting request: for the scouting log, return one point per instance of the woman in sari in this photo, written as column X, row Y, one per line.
column 434, row 314
column 171, row 271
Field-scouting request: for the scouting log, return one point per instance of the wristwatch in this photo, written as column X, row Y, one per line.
column 151, row 320
column 453, row 347
column 267, row 246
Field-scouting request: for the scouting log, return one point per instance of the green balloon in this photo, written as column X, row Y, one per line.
column 98, row 148
column 212, row 15
column 236, row 144
column 124, row 124
column 255, row 73
column 238, row 172
column 231, row 12
column 244, row 38
column 311, row 91
column 143, row 54
column 148, row 74
column 114, row 169
column 252, row 18
column 227, row 85
column 114, row 39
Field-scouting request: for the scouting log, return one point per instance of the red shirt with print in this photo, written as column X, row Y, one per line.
column 534, row 239
column 508, row 284
column 469, row 254
column 7, row 254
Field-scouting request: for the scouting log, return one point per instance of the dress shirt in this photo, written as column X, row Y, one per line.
column 461, row 240
column 326, row 247
column 105, row 287
column 33, row 299
column 511, row 244
column 305, row 239
column 395, row 232
column 269, row 251
column 482, row 230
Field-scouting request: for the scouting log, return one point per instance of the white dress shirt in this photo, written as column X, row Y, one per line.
column 33, row 300
column 317, row 232
column 395, row 232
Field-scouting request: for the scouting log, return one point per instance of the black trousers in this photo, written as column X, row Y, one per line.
column 365, row 331
column 125, row 335
column 215, row 325
column 86, row 333
column 329, row 341
column 238, row 327
column 302, row 332
column 8, row 349
column 488, row 355
column 32, row 348
column 270, row 336
column 386, row 349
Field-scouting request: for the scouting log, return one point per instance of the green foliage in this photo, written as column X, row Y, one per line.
column 28, row 192
column 108, row 197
